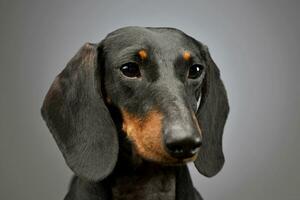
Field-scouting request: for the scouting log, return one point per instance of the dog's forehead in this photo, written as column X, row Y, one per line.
column 162, row 40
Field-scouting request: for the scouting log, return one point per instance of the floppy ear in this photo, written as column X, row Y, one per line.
column 79, row 120
column 211, row 115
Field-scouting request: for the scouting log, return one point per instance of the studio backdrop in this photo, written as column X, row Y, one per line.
column 254, row 43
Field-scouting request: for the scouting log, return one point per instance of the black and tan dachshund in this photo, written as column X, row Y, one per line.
column 129, row 112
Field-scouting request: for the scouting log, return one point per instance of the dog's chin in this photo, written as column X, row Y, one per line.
column 170, row 161
column 180, row 161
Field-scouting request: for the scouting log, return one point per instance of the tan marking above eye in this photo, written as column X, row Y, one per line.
column 146, row 135
column 186, row 55
column 143, row 54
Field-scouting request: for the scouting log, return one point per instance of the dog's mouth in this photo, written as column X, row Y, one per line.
column 166, row 160
column 154, row 151
column 177, row 161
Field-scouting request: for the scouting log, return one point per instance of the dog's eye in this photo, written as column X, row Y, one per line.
column 131, row 70
column 195, row 71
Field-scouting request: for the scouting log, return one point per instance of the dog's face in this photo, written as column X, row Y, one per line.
column 163, row 85
column 152, row 76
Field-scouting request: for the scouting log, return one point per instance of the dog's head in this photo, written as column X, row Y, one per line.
column 164, row 87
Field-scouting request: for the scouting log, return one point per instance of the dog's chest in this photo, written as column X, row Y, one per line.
column 148, row 185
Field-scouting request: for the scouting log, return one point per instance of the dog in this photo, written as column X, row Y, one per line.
column 129, row 112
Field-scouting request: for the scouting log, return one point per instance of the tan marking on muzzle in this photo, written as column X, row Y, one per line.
column 146, row 135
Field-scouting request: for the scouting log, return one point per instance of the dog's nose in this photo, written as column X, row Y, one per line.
column 183, row 147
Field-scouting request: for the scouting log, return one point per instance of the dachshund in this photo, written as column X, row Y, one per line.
column 129, row 112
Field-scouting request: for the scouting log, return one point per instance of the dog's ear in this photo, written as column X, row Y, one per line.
column 78, row 118
column 211, row 114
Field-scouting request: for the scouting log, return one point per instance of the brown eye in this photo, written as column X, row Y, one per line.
column 131, row 70
column 195, row 71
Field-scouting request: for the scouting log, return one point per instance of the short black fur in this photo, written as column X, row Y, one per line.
column 83, row 112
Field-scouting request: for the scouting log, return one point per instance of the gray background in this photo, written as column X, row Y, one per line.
column 255, row 43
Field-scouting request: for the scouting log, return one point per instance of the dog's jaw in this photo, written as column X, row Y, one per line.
column 146, row 137
column 145, row 134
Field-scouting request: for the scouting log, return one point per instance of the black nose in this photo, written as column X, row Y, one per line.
column 183, row 147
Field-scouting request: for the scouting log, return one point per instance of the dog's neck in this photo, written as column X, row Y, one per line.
column 135, row 178
column 147, row 181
